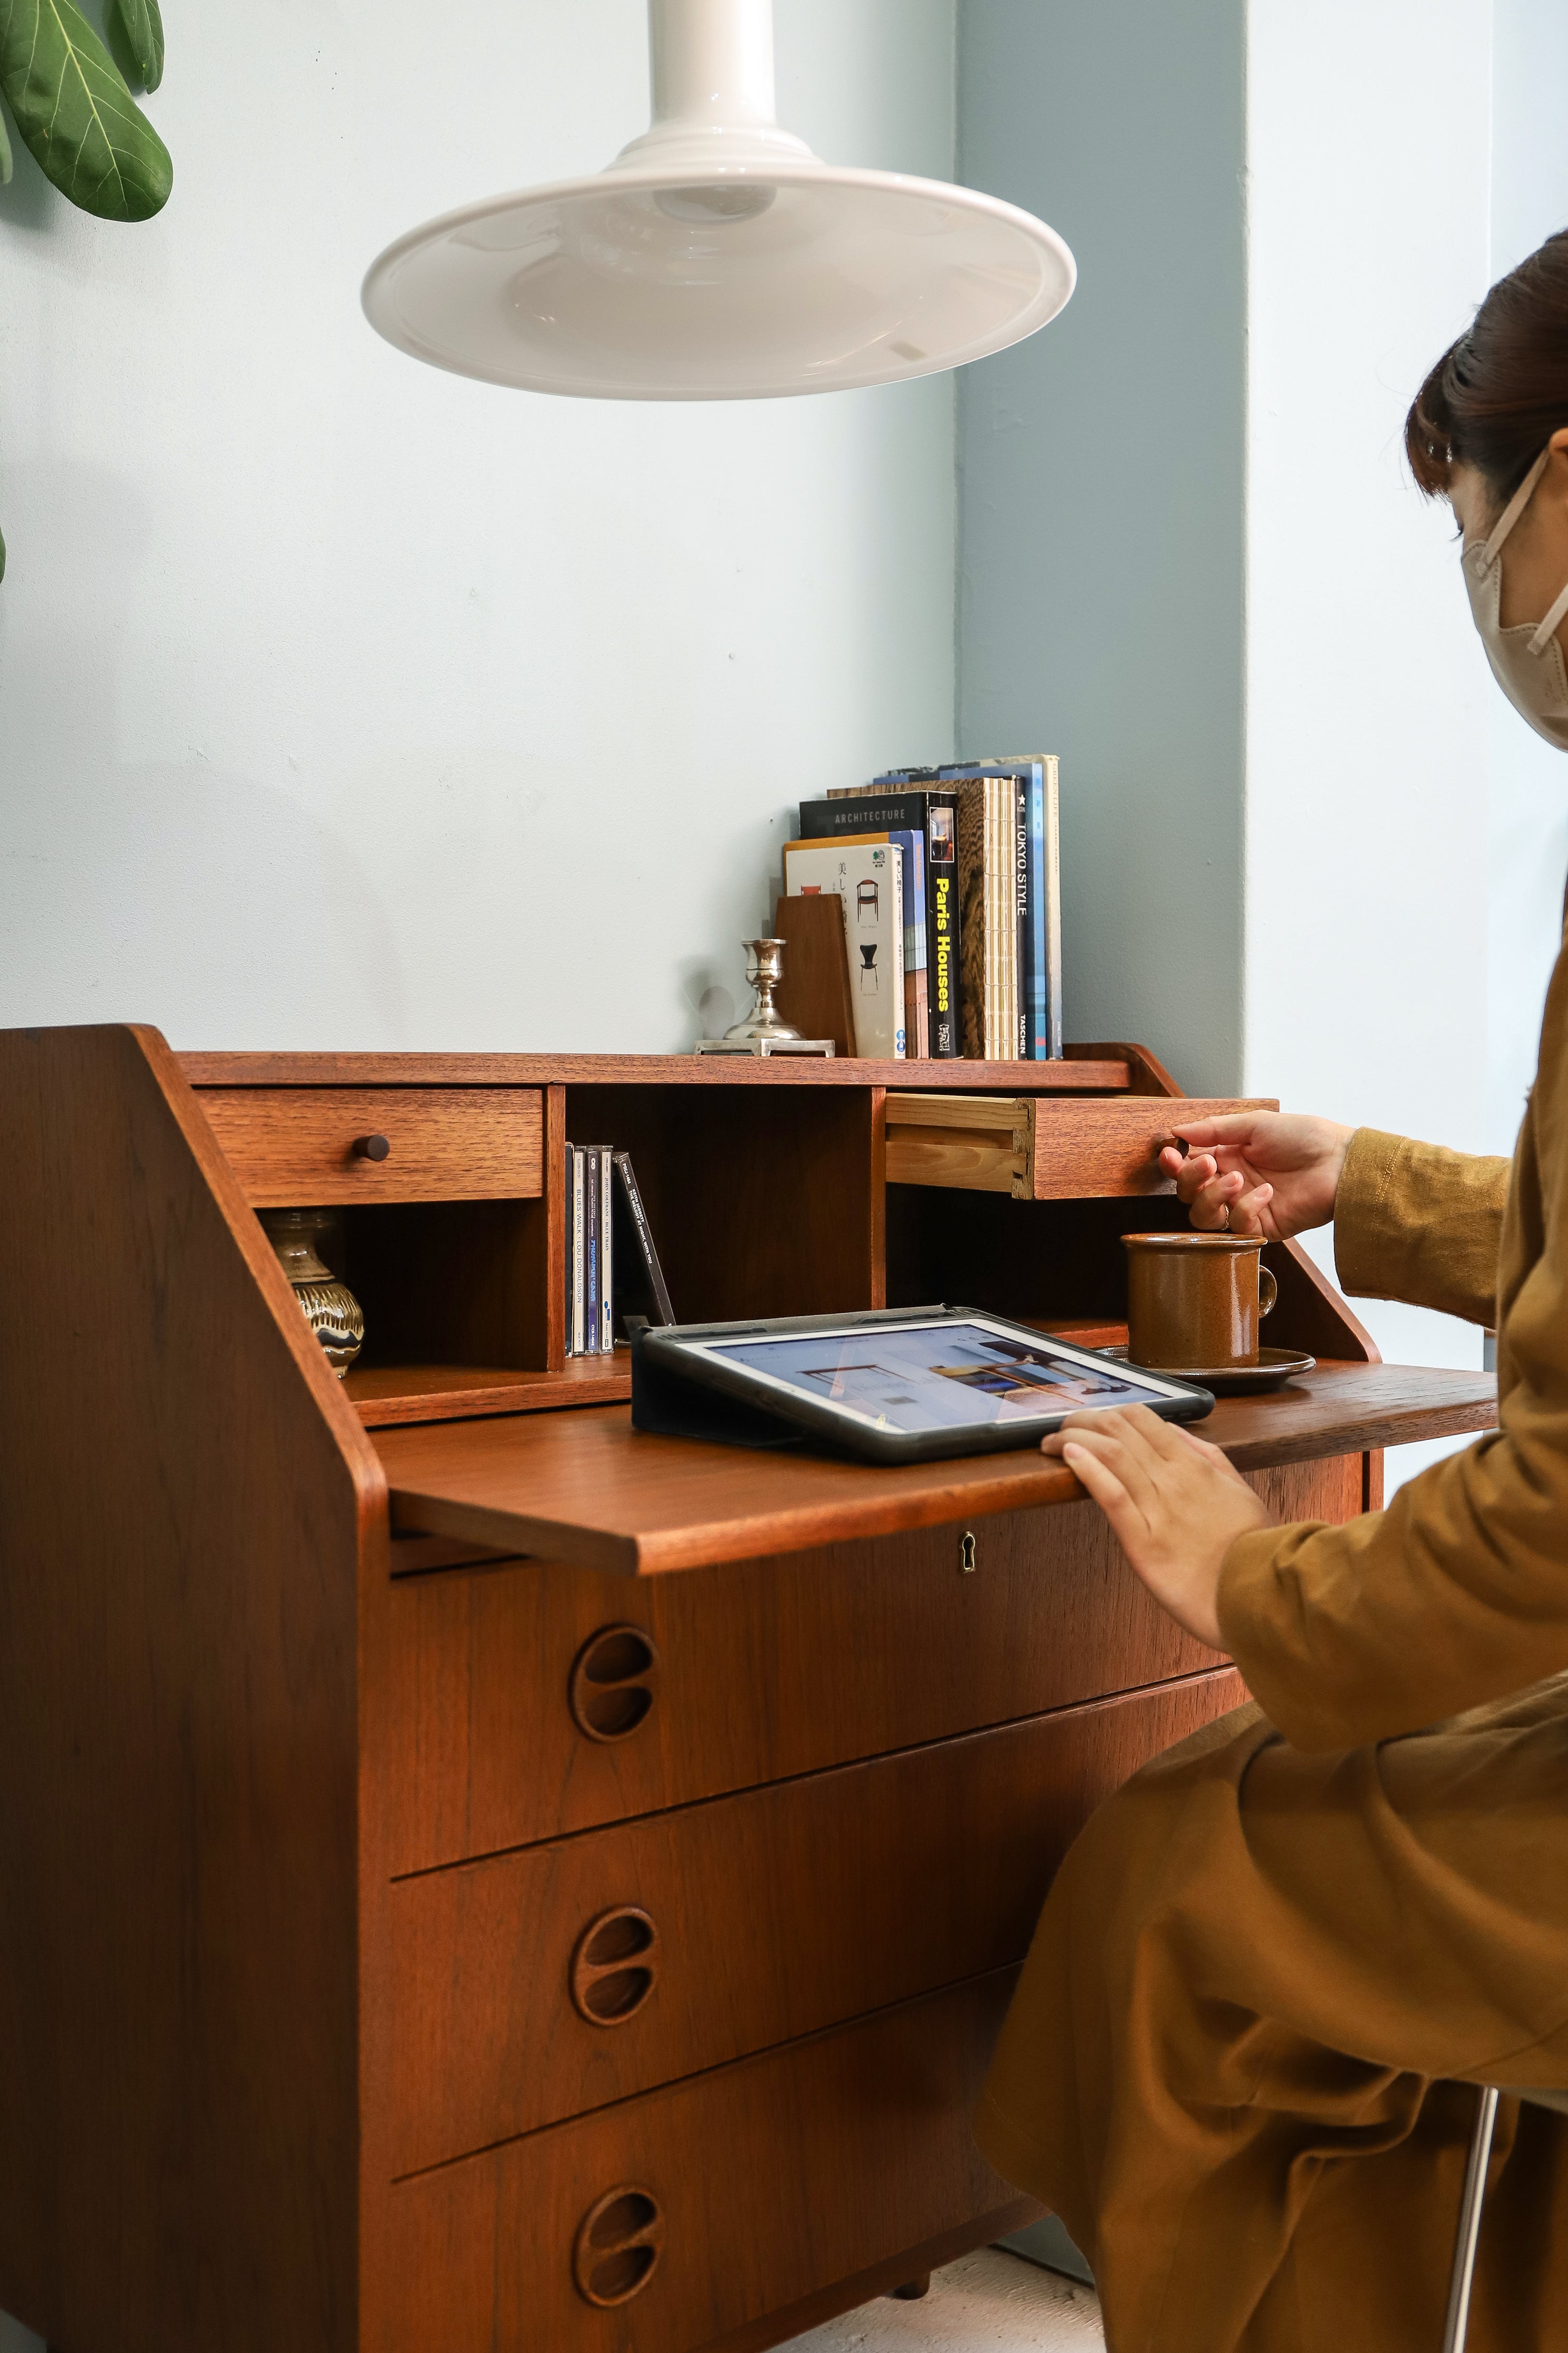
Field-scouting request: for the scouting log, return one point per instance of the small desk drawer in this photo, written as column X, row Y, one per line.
column 294, row 1148
column 709, row 2208
column 536, row 1985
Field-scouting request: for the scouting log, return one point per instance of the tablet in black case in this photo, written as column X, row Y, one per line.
column 897, row 1384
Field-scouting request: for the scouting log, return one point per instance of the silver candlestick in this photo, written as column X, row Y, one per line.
column 765, row 1030
column 764, row 970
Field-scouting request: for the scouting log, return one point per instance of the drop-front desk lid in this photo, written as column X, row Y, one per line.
column 583, row 1487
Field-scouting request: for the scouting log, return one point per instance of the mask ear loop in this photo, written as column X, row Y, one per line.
column 1548, row 630
column 1514, row 508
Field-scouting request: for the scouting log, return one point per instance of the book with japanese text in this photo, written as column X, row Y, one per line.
column 867, row 878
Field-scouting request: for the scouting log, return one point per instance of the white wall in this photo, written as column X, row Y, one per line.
column 343, row 702
column 1408, row 834
column 1528, row 811
column 1367, row 695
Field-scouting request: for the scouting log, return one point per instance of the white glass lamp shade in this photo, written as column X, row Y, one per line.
column 717, row 259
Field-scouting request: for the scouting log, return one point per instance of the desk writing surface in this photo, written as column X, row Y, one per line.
column 584, row 1488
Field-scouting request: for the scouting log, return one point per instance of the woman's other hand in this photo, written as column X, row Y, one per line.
column 1258, row 1172
column 1174, row 1504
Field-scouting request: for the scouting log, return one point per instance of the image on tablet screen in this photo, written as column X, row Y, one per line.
column 933, row 1376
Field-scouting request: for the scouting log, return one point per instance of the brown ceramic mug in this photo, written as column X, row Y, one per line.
column 1196, row 1299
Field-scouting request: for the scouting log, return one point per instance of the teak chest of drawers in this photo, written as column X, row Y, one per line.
column 476, row 1879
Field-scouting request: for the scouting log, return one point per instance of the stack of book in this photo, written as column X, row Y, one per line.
column 950, row 880
column 613, row 1270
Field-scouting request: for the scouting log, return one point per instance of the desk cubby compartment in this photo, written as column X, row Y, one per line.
column 762, row 1199
column 456, row 1296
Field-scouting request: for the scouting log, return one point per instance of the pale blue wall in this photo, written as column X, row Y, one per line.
column 1100, row 490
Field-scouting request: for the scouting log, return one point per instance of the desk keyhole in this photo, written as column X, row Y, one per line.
column 966, row 1553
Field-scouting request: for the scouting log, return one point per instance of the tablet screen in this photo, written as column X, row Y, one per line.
column 938, row 1375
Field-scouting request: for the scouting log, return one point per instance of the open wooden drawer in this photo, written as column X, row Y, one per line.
column 1040, row 1148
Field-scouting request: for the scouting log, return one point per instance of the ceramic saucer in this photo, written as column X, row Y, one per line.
column 1273, row 1367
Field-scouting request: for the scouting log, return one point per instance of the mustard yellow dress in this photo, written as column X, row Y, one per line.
column 1236, row 2063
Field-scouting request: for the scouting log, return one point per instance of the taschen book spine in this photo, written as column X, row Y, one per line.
column 1046, row 907
column 607, row 1253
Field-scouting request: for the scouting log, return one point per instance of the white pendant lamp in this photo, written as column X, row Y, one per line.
column 716, row 259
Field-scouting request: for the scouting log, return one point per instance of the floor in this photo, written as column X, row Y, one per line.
column 987, row 2303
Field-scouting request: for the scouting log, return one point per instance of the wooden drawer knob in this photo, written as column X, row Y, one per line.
column 615, row 1967
column 372, row 1148
column 619, row 2241
column 613, row 1683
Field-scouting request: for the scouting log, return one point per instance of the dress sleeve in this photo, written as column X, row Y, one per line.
column 1415, row 1222
column 1457, row 1593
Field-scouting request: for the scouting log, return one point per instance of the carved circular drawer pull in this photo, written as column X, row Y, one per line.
column 619, row 2242
column 614, row 1681
column 370, row 1147
column 615, row 1967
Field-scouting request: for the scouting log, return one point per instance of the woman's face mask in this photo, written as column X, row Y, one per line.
column 1527, row 660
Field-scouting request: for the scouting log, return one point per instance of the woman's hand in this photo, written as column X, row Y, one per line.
column 1175, row 1505
column 1258, row 1172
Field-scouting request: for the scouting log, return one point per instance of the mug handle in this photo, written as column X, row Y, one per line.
column 1268, row 1292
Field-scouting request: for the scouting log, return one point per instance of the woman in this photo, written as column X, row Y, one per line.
column 1238, row 2060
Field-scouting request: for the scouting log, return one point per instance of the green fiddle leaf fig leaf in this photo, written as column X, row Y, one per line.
column 6, row 165
column 73, row 108
column 143, row 28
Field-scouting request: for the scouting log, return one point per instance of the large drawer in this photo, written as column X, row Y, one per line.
column 522, row 1701
column 535, row 1986
column 751, row 2192
column 293, row 1147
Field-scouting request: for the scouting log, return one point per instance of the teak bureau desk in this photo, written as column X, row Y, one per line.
column 479, row 1880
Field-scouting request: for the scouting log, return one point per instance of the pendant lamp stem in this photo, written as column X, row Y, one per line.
column 713, row 62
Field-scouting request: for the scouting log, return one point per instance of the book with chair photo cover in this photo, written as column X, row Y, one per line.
column 910, row 843
column 867, row 877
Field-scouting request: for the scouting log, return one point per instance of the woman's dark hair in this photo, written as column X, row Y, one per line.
column 1497, row 396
